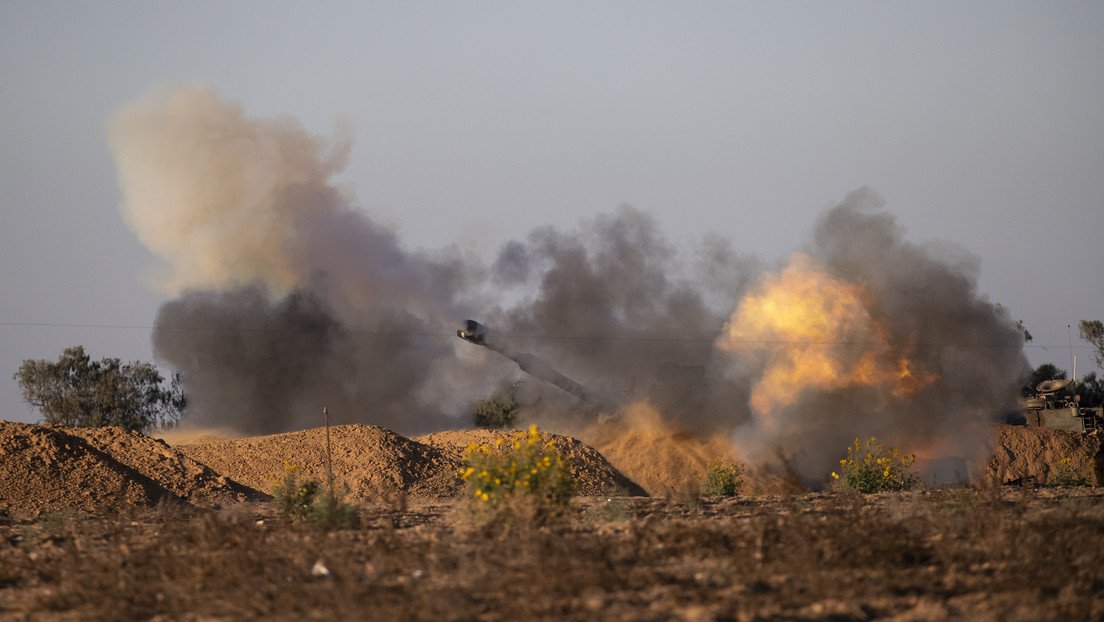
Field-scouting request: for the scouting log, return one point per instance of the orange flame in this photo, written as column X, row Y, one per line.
column 813, row 331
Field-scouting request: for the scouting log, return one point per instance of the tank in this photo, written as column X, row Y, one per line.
column 1054, row 407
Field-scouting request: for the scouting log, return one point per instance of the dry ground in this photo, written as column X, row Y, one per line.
column 112, row 525
column 992, row 554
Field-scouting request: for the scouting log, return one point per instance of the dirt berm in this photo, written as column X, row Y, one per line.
column 1033, row 455
column 371, row 463
column 50, row 467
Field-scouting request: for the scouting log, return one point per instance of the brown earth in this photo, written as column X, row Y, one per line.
column 369, row 462
column 997, row 554
column 372, row 464
column 1035, row 455
column 50, row 467
column 109, row 543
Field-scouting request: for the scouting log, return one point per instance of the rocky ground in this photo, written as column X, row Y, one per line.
column 106, row 524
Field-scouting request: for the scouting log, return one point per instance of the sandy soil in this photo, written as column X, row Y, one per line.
column 111, row 525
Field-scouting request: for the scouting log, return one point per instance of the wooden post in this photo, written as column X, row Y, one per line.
column 329, row 454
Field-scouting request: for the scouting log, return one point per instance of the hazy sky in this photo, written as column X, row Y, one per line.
column 980, row 123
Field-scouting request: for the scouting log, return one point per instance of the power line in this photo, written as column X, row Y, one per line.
column 546, row 337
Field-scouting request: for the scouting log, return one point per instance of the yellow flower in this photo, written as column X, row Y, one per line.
column 834, row 475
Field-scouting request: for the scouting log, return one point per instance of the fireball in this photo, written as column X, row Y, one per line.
column 810, row 330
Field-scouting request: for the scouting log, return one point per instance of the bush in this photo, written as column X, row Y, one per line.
column 300, row 500
column 722, row 479
column 497, row 411
column 875, row 468
column 517, row 480
column 295, row 497
column 1067, row 476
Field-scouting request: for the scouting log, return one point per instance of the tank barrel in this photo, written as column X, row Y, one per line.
column 474, row 332
column 538, row 368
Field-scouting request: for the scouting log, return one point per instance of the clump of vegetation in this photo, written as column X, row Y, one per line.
column 77, row 391
column 1068, row 476
column 498, row 410
column 302, row 500
column 295, row 496
column 517, row 480
column 875, row 468
column 722, row 479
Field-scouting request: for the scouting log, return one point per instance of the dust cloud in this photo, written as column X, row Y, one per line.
column 286, row 298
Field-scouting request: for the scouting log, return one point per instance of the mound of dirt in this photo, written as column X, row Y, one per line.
column 593, row 474
column 1031, row 454
column 369, row 462
column 51, row 467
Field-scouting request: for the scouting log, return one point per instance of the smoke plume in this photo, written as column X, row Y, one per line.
column 287, row 298
column 866, row 334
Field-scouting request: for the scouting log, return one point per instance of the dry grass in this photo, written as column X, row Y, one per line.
column 1004, row 554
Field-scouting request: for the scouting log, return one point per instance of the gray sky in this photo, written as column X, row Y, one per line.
column 980, row 123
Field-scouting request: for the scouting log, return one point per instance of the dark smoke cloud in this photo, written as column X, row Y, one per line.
column 288, row 299
column 963, row 350
column 260, row 365
column 611, row 303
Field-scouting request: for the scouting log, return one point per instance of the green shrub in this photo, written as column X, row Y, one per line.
column 517, row 481
column 302, row 500
column 498, row 410
column 875, row 468
column 329, row 512
column 722, row 479
column 1068, row 476
column 295, row 496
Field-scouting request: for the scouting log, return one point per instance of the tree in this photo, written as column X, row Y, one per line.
column 1091, row 390
column 1046, row 371
column 1093, row 332
column 78, row 391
